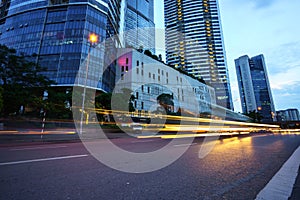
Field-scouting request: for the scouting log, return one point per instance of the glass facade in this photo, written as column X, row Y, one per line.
column 139, row 24
column 57, row 31
column 254, row 86
column 194, row 43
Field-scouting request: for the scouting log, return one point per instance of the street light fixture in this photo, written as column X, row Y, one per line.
column 93, row 39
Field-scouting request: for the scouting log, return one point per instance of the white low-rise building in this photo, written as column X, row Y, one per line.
column 152, row 83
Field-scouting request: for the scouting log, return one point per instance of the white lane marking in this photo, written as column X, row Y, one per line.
column 281, row 185
column 42, row 159
column 183, row 145
column 141, row 141
column 34, row 148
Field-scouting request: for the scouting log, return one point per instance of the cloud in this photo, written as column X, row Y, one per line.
column 283, row 66
column 288, row 97
column 288, row 94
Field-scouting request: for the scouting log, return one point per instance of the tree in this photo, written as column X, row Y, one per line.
column 255, row 116
column 166, row 101
column 21, row 80
column 58, row 104
column 103, row 101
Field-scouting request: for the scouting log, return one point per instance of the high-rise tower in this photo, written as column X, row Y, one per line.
column 254, row 86
column 139, row 24
column 194, row 43
column 57, row 31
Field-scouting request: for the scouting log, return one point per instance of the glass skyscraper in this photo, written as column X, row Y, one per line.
column 194, row 43
column 254, row 86
column 57, row 32
column 139, row 24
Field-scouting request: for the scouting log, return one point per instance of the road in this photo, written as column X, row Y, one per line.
column 236, row 168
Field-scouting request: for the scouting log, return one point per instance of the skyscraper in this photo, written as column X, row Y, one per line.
column 254, row 86
column 194, row 43
column 57, row 31
column 139, row 24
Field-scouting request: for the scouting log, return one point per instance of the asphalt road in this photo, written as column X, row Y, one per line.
column 236, row 168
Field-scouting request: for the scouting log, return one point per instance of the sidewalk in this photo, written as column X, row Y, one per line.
column 296, row 190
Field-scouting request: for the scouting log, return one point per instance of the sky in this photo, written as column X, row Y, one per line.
column 268, row 27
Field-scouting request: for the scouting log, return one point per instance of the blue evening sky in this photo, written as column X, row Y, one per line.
column 253, row 27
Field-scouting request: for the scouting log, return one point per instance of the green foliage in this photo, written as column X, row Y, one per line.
column 21, row 80
column 103, row 101
column 166, row 101
column 116, row 101
column 59, row 104
column 255, row 116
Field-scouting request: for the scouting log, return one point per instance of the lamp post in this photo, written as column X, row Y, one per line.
column 93, row 39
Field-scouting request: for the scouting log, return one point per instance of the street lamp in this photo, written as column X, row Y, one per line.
column 93, row 39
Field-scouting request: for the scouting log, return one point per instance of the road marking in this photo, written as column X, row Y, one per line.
column 183, row 145
column 281, row 185
column 34, row 148
column 42, row 159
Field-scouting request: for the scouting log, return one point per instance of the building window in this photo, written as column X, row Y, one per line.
column 142, row 88
column 126, row 68
column 158, row 78
column 153, row 76
column 126, row 60
column 142, row 64
column 137, row 70
column 137, row 63
column 167, row 74
column 148, row 90
column 158, row 71
column 122, row 68
column 137, row 95
column 162, row 72
column 142, row 106
column 149, row 75
column 167, row 81
column 142, row 72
